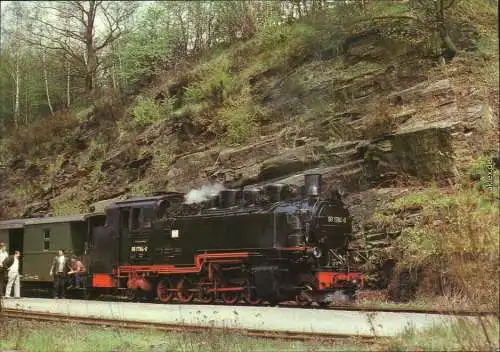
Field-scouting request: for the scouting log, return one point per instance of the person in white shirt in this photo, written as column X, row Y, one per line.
column 12, row 264
column 3, row 256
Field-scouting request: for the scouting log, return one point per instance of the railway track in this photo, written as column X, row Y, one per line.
column 135, row 325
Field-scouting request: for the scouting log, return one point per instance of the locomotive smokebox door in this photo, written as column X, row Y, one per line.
column 267, row 281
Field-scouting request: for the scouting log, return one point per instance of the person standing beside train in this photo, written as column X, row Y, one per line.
column 12, row 265
column 77, row 269
column 3, row 256
column 59, row 269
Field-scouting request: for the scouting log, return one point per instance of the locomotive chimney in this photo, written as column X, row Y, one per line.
column 229, row 198
column 312, row 185
column 274, row 192
column 251, row 196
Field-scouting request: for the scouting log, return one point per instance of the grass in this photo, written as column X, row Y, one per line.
column 38, row 337
column 455, row 236
column 68, row 203
column 439, row 303
column 463, row 335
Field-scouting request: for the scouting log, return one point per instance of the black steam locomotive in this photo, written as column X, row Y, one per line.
column 273, row 243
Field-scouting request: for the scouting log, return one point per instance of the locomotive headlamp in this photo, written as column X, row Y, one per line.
column 316, row 252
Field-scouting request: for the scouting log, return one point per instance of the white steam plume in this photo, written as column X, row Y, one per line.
column 203, row 194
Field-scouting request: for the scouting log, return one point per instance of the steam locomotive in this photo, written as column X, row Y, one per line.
column 272, row 243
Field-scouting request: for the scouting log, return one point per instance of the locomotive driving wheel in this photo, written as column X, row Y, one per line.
column 186, row 291
column 230, row 297
column 250, row 295
column 162, row 291
column 204, row 295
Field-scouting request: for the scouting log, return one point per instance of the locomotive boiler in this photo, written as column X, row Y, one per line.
column 272, row 243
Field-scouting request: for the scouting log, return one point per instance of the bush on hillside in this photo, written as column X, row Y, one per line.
column 454, row 245
column 49, row 134
column 147, row 111
column 240, row 119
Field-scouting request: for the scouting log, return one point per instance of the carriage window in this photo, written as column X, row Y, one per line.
column 136, row 212
column 46, row 239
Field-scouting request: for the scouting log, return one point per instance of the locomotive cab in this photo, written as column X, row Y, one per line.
column 111, row 245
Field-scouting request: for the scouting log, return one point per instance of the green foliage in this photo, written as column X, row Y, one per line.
column 240, row 117
column 68, row 203
column 488, row 178
column 285, row 45
column 96, row 151
column 142, row 188
column 240, row 125
column 96, row 175
column 456, row 233
column 32, row 100
column 146, row 111
column 214, row 78
column 146, row 51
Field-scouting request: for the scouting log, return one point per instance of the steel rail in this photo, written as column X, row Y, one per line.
column 135, row 325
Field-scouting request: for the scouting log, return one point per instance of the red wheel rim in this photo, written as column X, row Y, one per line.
column 249, row 295
column 183, row 295
column 230, row 297
column 162, row 293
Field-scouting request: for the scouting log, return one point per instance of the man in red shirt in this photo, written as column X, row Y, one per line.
column 77, row 268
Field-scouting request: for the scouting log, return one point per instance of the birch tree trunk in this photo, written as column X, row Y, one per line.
column 68, row 79
column 45, row 78
column 16, row 103
column 113, row 77
column 120, row 70
column 68, row 67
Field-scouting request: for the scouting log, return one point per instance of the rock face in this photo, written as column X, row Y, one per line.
column 423, row 146
column 426, row 145
column 425, row 153
column 187, row 171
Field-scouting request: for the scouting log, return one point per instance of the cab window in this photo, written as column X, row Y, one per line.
column 135, row 219
column 148, row 215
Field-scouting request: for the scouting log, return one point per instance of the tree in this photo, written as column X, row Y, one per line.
column 16, row 25
column 83, row 40
column 434, row 14
column 149, row 47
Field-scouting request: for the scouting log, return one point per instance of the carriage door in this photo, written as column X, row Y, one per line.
column 141, row 224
